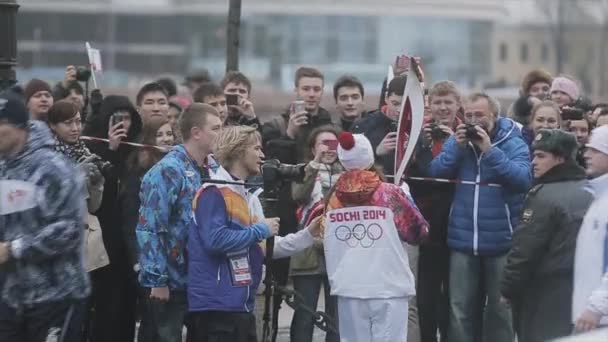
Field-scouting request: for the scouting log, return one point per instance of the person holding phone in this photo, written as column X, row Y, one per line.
column 118, row 121
column 307, row 269
column 381, row 127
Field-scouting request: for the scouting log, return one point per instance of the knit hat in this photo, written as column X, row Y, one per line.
column 34, row 86
column 567, row 86
column 556, row 141
column 13, row 110
column 355, row 151
column 599, row 139
column 534, row 77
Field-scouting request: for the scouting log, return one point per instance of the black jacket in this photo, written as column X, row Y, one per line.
column 109, row 213
column 539, row 270
column 375, row 126
column 277, row 145
column 433, row 198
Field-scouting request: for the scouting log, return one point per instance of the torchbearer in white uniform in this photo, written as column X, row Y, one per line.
column 367, row 222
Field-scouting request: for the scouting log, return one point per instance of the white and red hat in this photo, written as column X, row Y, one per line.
column 355, row 152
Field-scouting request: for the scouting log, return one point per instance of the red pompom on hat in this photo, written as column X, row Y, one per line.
column 347, row 140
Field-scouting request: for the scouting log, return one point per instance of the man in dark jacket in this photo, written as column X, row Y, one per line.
column 42, row 274
column 539, row 270
column 349, row 95
column 285, row 138
column 482, row 216
column 434, row 200
column 381, row 127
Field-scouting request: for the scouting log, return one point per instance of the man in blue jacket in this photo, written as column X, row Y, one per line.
column 494, row 157
column 166, row 194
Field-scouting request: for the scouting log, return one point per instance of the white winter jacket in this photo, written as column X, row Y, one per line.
column 591, row 258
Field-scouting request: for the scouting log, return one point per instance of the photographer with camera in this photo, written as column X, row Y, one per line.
column 237, row 89
column 434, row 200
column 487, row 149
column 224, row 256
column 70, row 88
column 380, row 127
column 117, row 121
column 38, row 99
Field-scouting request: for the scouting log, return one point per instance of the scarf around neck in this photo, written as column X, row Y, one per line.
column 74, row 151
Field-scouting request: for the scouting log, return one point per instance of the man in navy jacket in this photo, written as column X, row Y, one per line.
column 495, row 158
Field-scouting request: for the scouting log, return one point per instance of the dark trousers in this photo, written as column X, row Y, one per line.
column 164, row 321
column 55, row 321
column 432, row 292
column 309, row 287
column 215, row 326
column 280, row 273
column 112, row 303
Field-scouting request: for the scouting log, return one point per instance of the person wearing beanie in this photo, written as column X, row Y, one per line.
column 564, row 91
column 540, row 265
column 38, row 99
column 535, row 87
column 590, row 298
column 536, row 83
column 366, row 224
column 43, row 280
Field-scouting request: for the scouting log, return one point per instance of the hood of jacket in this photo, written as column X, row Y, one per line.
column 110, row 105
column 357, row 187
column 505, row 128
column 39, row 137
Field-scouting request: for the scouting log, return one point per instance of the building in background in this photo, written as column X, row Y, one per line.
column 527, row 38
column 148, row 37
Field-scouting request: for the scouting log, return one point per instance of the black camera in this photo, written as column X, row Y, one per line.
column 83, row 74
column 572, row 113
column 437, row 133
column 274, row 176
column 471, row 132
column 273, row 172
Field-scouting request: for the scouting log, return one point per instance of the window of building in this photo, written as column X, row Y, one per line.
column 544, row 53
column 523, row 53
column 504, row 53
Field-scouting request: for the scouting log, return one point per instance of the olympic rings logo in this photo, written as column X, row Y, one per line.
column 359, row 235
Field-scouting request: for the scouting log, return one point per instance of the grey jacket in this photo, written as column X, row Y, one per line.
column 42, row 216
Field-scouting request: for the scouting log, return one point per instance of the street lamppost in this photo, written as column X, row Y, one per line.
column 8, row 43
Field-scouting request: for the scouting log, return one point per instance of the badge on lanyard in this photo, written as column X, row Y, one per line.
column 240, row 269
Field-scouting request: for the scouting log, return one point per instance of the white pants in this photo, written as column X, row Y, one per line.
column 373, row 320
